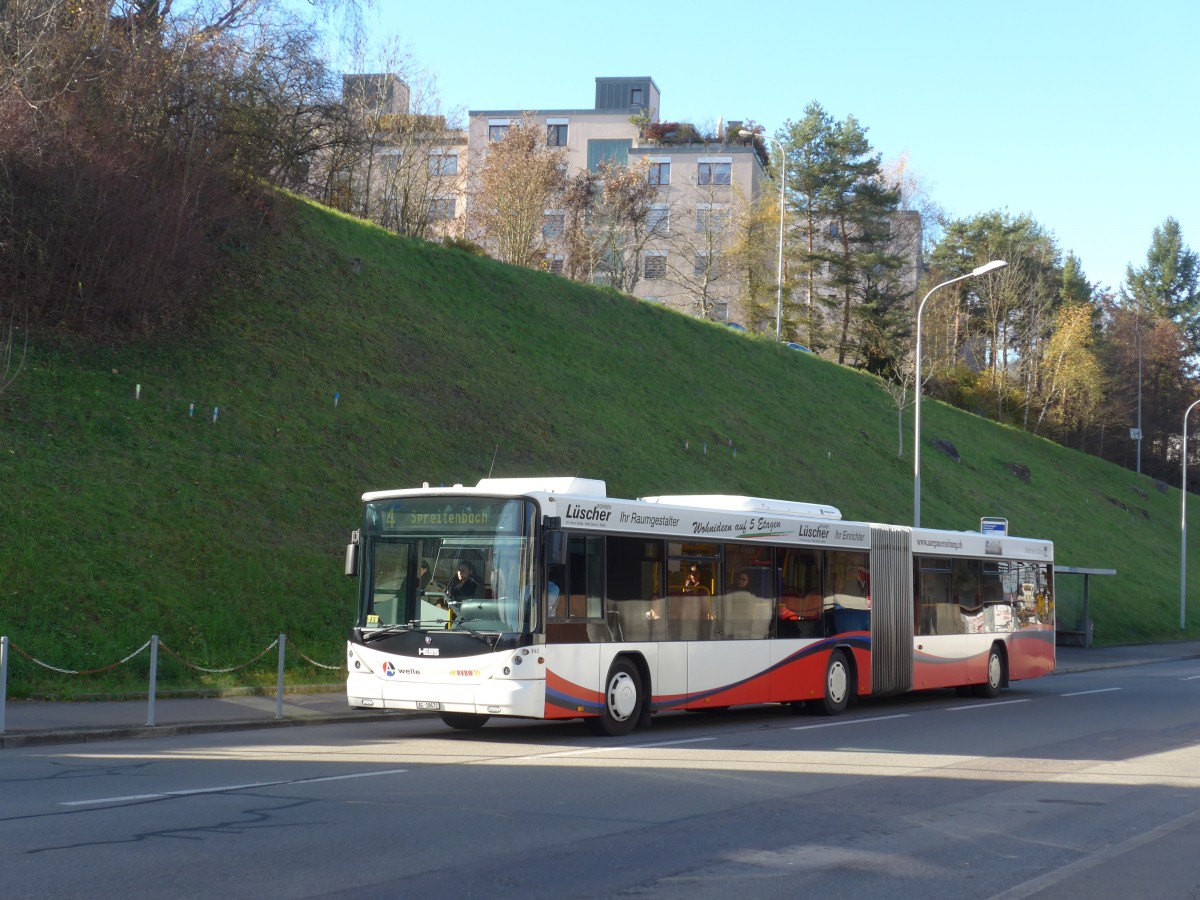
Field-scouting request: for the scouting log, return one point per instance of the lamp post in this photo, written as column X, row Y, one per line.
column 1137, row 326
column 974, row 273
column 1183, row 528
column 782, row 198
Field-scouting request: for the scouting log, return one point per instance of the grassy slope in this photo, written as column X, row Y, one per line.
column 123, row 517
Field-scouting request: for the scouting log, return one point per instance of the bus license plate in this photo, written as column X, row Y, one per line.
column 428, row 704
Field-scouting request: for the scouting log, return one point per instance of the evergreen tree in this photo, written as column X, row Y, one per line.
column 1075, row 287
column 845, row 213
column 807, row 143
column 1168, row 285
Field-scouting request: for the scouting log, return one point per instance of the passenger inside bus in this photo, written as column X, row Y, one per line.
column 744, row 615
column 689, row 604
column 464, row 585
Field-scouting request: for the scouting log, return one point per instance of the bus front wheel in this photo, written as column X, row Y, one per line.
column 623, row 701
column 464, row 721
column 990, row 689
column 839, row 681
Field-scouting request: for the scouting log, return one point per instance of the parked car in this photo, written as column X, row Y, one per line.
column 735, row 326
column 792, row 345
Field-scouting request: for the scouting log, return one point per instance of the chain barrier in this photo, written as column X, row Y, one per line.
column 198, row 668
column 181, row 659
column 313, row 662
column 154, row 644
column 46, row 665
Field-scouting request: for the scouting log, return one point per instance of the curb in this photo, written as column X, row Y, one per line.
column 1120, row 664
column 91, row 735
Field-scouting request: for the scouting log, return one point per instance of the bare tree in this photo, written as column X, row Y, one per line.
column 518, row 179
column 392, row 156
column 611, row 218
column 752, row 260
column 134, row 138
column 696, row 262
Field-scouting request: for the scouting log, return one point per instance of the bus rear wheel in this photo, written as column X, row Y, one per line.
column 623, row 699
column 464, row 721
column 839, row 682
column 990, row 689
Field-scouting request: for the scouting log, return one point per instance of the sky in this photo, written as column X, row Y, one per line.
column 1083, row 115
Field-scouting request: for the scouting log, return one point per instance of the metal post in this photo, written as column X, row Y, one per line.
column 3, row 678
column 782, row 207
column 779, row 273
column 279, row 679
column 1137, row 327
column 1087, row 613
column 153, row 678
column 986, row 267
column 1183, row 526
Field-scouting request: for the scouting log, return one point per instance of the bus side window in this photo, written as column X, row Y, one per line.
column 556, row 595
column 585, row 577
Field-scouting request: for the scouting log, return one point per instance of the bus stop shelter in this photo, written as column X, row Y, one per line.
column 1081, row 633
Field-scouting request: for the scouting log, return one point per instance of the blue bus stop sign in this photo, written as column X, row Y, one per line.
column 993, row 526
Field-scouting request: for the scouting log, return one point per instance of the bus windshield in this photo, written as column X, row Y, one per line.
column 448, row 563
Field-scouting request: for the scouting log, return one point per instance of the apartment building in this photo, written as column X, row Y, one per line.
column 410, row 174
column 703, row 182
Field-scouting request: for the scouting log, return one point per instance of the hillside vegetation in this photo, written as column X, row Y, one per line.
column 123, row 516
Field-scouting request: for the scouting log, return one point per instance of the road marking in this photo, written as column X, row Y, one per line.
column 841, row 722
column 560, row 753
column 1097, row 691
column 990, row 704
column 1046, row 884
column 228, row 788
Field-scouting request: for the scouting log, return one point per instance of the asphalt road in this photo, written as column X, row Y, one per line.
column 1078, row 785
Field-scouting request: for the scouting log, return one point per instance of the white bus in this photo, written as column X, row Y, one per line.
column 585, row 606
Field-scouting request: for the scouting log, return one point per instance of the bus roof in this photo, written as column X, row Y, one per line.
column 584, row 502
column 734, row 503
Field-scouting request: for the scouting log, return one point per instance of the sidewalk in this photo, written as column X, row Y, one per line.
column 34, row 722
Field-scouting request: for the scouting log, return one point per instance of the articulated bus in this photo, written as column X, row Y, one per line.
column 588, row 607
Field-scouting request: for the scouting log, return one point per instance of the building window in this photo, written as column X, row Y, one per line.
column 389, row 160
column 607, row 267
column 615, row 152
column 554, row 223
column 712, row 217
column 658, row 221
column 660, row 172
column 636, row 96
column 555, row 263
column 441, row 209
column 833, row 229
column 714, row 173
column 705, row 264
column 497, row 131
column 720, row 310
column 556, row 135
column 442, row 163
column 656, row 264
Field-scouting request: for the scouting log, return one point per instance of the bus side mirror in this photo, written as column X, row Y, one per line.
column 352, row 555
column 556, row 548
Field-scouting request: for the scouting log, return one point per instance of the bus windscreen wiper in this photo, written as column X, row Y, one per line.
column 384, row 632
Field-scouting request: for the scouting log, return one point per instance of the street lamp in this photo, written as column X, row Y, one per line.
column 1183, row 528
column 974, row 273
column 782, row 197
